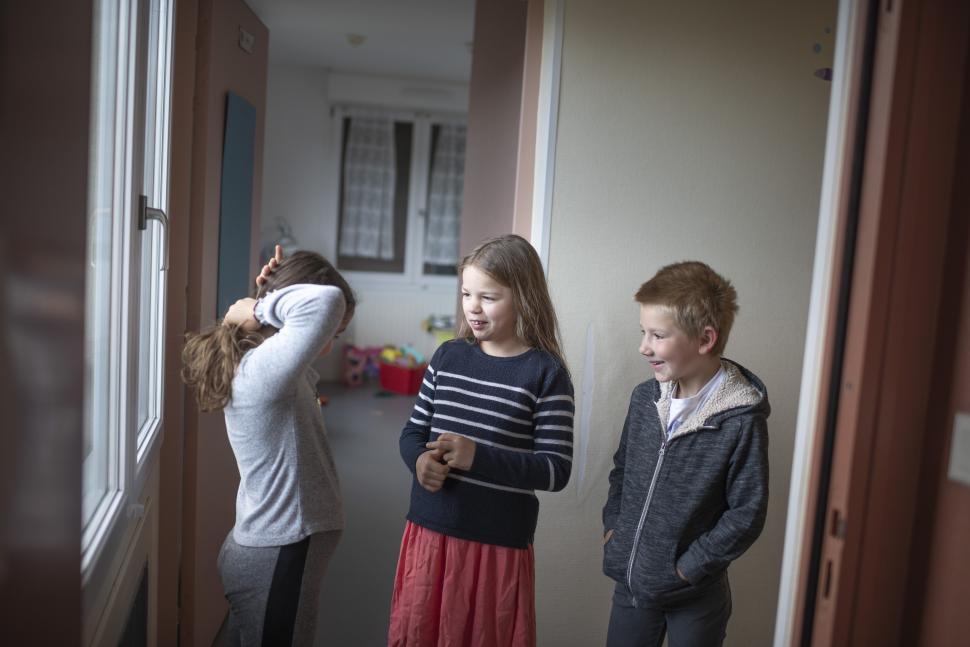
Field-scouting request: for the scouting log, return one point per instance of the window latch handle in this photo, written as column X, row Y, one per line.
column 146, row 213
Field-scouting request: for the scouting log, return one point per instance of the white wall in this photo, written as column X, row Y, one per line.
column 391, row 92
column 297, row 182
column 689, row 130
column 300, row 183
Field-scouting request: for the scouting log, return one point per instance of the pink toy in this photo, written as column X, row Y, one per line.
column 353, row 366
column 360, row 364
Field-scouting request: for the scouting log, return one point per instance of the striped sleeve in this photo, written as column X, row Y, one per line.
column 417, row 431
column 548, row 465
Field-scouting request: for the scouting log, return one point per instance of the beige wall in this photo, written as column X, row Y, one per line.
column 686, row 130
column 495, row 99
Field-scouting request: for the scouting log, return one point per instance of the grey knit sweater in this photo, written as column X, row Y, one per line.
column 693, row 502
column 288, row 485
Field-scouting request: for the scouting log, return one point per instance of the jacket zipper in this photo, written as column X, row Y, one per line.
column 643, row 516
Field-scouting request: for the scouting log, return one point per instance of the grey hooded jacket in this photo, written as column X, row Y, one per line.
column 693, row 502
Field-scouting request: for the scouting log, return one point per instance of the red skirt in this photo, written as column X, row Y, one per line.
column 451, row 592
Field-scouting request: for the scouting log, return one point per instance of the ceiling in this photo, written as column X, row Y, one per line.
column 428, row 39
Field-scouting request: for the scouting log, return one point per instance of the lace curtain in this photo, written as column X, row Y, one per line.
column 445, row 195
column 367, row 219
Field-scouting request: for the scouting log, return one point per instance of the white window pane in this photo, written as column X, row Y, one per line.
column 149, row 329
column 375, row 177
column 446, row 174
column 102, row 239
column 145, row 364
column 150, row 241
column 97, row 364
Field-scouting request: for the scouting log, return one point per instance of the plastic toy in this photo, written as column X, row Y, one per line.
column 360, row 364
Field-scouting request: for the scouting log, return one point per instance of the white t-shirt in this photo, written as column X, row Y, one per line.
column 682, row 408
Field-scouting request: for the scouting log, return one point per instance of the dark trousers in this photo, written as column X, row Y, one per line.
column 699, row 621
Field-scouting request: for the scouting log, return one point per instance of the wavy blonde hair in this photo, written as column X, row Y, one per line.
column 210, row 356
column 512, row 261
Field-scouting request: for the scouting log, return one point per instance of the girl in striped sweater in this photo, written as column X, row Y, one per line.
column 492, row 424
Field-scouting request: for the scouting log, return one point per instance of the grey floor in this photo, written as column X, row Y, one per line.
column 363, row 429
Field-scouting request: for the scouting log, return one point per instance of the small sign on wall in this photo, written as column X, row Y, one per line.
column 960, row 449
column 247, row 41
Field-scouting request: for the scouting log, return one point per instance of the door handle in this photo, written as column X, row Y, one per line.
column 146, row 213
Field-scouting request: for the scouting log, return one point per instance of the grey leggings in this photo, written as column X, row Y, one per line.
column 273, row 591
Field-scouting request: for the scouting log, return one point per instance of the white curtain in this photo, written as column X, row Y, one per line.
column 444, row 196
column 367, row 221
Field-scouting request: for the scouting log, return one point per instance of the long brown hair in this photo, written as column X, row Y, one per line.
column 210, row 356
column 512, row 261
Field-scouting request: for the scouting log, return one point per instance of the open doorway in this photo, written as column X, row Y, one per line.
column 683, row 133
column 702, row 137
column 366, row 123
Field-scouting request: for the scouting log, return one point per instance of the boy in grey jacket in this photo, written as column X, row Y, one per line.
column 689, row 487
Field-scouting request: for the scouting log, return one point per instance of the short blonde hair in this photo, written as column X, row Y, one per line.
column 696, row 297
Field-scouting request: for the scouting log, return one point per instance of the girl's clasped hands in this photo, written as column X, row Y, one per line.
column 448, row 451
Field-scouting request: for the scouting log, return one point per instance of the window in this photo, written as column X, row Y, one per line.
column 400, row 195
column 125, row 283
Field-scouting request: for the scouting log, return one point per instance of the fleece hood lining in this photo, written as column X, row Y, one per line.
column 734, row 392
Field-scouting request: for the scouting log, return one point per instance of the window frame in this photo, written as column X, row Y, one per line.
column 413, row 277
column 155, row 185
column 124, row 31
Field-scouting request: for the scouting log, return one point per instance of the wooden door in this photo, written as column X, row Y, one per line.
column 896, row 303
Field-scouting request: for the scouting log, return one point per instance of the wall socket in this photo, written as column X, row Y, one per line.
column 960, row 449
column 247, row 41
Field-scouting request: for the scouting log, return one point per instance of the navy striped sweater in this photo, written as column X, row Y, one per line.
column 519, row 412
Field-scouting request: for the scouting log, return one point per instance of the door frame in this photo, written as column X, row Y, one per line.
column 860, row 465
column 825, row 335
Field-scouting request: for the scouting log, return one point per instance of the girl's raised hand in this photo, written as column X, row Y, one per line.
column 456, row 451
column 269, row 267
column 430, row 471
column 241, row 314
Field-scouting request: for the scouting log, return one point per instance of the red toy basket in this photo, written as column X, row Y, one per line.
column 402, row 379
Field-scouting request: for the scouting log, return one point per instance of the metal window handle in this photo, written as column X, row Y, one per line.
column 146, row 213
